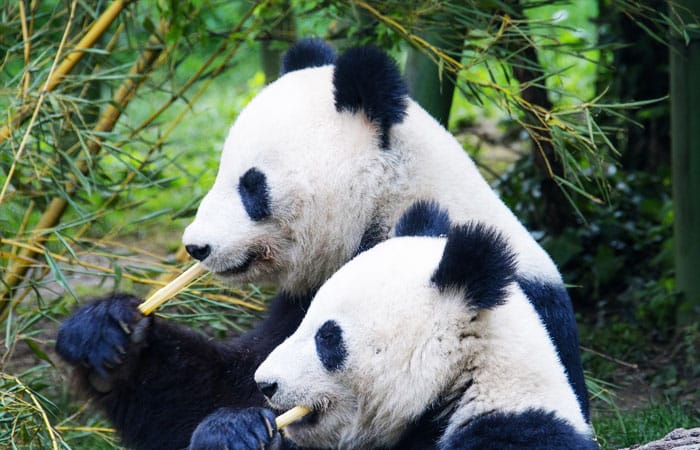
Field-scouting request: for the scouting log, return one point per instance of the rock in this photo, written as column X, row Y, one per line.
column 678, row 439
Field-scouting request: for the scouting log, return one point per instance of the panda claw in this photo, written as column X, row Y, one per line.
column 270, row 430
column 123, row 325
column 139, row 332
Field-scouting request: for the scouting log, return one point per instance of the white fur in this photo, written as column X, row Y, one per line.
column 329, row 178
column 407, row 345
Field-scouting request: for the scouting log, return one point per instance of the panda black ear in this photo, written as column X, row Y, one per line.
column 478, row 261
column 307, row 53
column 367, row 79
column 423, row 218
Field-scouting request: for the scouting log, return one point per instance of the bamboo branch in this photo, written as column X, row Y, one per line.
column 96, row 30
column 26, row 78
column 42, row 95
column 108, row 119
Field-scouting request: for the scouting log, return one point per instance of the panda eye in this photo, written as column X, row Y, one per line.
column 330, row 346
column 254, row 193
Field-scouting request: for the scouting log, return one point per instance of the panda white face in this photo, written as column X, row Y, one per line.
column 296, row 184
column 304, row 171
column 414, row 329
column 352, row 361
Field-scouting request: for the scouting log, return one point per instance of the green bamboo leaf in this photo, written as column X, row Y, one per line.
column 34, row 347
column 65, row 243
column 58, row 274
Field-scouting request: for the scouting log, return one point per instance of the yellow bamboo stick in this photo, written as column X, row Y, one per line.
column 291, row 416
column 168, row 291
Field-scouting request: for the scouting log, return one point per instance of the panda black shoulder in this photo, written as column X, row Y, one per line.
column 529, row 429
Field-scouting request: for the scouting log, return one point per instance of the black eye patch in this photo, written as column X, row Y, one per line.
column 252, row 188
column 330, row 346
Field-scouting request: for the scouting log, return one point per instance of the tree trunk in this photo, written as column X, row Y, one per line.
column 275, row 43
column 685, row 163
column 432, row 89
column 636, row 60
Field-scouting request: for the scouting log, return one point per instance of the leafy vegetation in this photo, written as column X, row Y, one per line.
column 104, row 166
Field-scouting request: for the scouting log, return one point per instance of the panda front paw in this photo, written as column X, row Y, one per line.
column 101, row 334
column 237, row 429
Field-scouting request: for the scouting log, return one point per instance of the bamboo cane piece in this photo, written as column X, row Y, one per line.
column 171, row 289
column 291, row 416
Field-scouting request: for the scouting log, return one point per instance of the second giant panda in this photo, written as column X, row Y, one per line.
column 426, row 343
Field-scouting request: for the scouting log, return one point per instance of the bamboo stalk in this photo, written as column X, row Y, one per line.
column 685, row 158
column 96, row 30
column 26, row 78
column 291, row 416
column 36, row 108
column 168, row 291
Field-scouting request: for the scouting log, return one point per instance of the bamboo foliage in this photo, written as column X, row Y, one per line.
column 95, row 32
column 502, row 41
column 65, row 173
column 57, row 206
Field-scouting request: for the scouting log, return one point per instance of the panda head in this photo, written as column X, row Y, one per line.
column 301, row 168
column 388, row 333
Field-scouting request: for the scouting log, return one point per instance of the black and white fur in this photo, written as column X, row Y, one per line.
column 426, row 343
column 345, row 152
column 317, row 168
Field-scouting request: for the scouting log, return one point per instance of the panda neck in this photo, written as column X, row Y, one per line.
column 430, row 164
column 425, row 432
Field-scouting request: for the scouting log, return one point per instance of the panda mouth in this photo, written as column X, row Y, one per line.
column 240, row 268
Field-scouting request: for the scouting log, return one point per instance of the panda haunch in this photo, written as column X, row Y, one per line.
column 426, row 343
column 316, row 168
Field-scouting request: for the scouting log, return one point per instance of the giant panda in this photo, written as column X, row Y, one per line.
column 317, row 168
column 423, row 342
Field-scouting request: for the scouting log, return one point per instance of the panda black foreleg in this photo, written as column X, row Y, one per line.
column 156, row 380
column 156, row 388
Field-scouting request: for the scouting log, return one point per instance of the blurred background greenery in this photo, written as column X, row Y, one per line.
column 105, row 153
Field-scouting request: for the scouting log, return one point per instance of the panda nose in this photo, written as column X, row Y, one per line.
column 199, row 252
column 268, row 389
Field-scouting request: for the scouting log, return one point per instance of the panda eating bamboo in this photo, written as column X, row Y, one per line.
column 425, row 341
column 317, row 168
